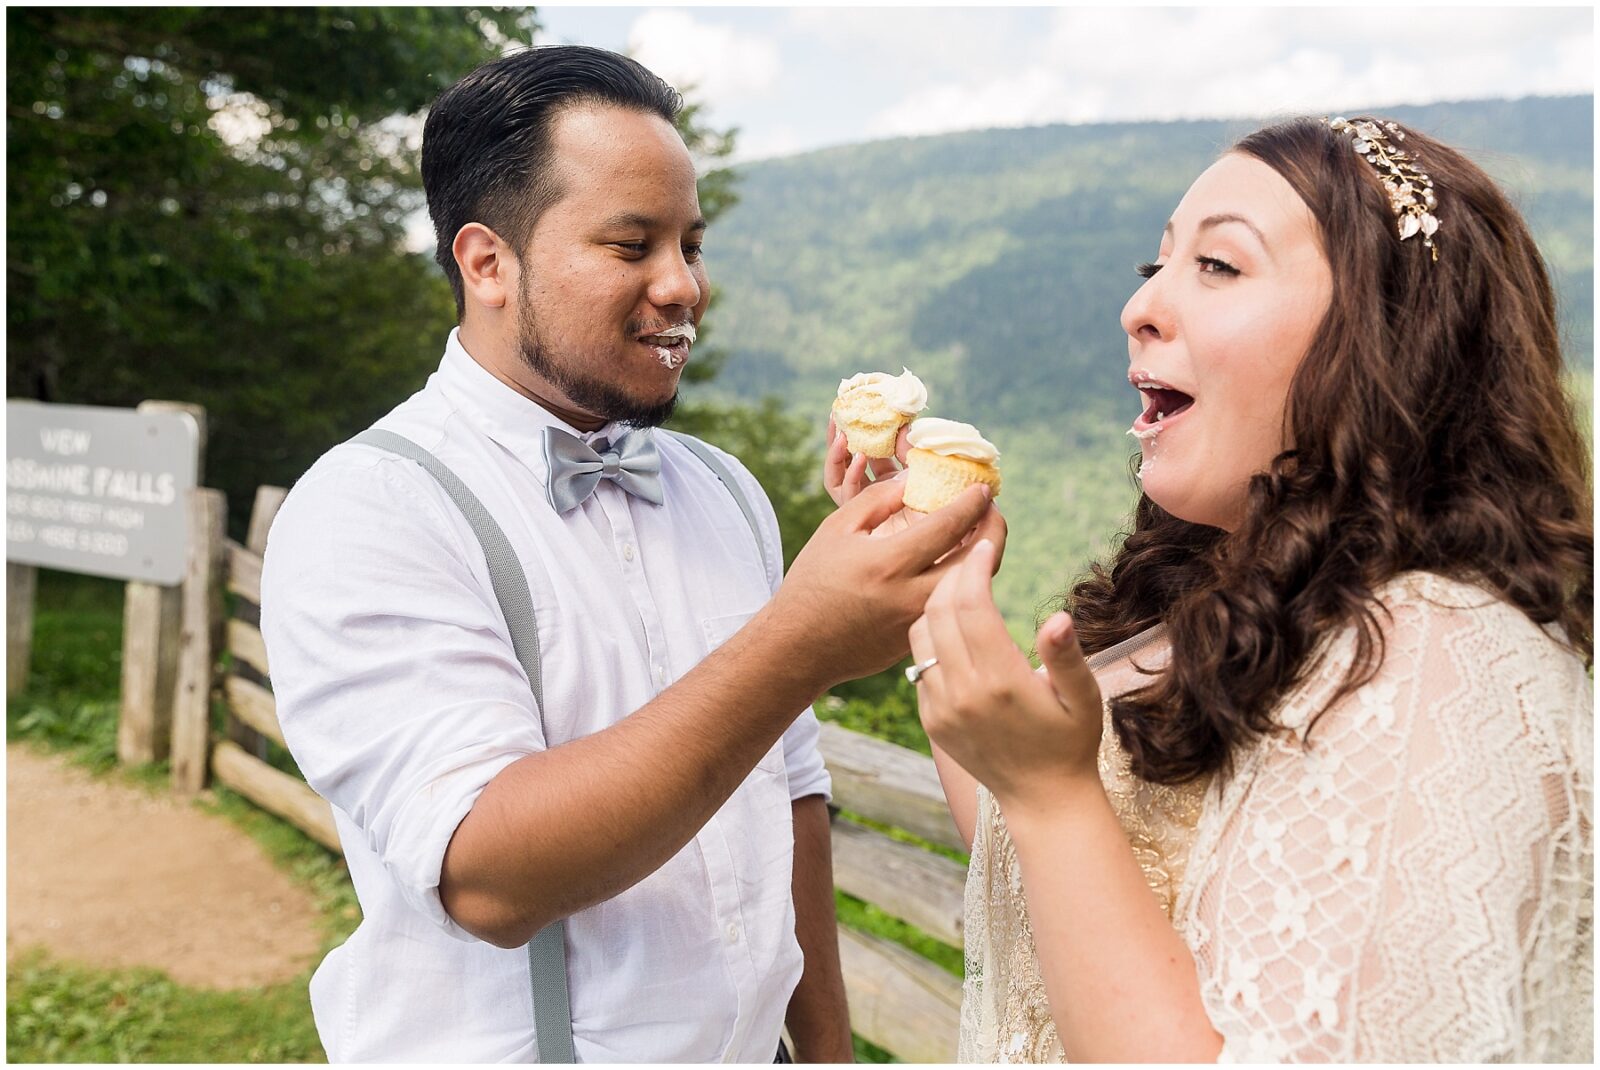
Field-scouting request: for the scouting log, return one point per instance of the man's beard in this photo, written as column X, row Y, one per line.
column 587, row 392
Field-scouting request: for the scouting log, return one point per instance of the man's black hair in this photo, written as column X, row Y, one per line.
column 486, row 143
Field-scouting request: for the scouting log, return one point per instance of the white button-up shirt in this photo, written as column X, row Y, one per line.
column 401, row 698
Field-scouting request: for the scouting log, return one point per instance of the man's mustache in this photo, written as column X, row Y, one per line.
column 638, row 327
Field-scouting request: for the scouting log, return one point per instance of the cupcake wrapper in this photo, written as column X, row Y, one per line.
column 934, row 480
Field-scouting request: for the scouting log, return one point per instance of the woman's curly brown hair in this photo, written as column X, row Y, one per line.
column 1430, row 431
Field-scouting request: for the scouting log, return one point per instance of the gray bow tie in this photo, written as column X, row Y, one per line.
column 631, row 461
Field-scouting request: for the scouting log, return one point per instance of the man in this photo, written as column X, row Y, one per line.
column 666, row 798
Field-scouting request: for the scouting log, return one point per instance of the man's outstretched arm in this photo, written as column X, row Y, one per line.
column 560, row 830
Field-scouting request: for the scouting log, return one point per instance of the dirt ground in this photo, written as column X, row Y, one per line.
column 105, row 874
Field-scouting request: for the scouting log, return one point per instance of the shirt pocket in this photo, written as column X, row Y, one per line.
column 716, row 631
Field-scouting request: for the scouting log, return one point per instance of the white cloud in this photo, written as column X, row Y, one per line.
column 1032, row 95
column 915, row 42
column 767, row 141
column 717, row 62
column 1162, row 63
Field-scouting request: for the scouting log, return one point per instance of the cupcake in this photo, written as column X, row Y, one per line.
column 872, row 408
column 946, row 458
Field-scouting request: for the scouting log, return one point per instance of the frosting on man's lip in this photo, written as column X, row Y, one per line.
column 671, row 345
column 684, row 331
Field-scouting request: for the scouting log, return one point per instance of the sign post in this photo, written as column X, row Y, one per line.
column 108, row 492
column 20, row 580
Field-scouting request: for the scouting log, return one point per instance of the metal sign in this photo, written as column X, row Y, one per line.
column 99, row 490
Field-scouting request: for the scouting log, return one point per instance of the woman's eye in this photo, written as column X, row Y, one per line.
column 1210, row 265
column 691, row 253
column 636, row 247
column 1145, row 271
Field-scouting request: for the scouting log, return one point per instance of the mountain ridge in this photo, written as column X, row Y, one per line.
column 995, row 263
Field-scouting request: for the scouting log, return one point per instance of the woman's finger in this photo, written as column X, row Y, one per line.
column 946, row 628
column 972, row 597
column 932, row 695
column 1064, row 663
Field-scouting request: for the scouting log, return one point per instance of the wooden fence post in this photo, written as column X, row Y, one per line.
column 151, row 628
column 262, row 512
column 20, row 583
column 201, row 641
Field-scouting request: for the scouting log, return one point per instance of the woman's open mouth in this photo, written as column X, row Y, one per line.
column 1162, row 404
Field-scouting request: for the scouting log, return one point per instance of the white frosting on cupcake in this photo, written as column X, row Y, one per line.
column 903, row 393
column 951, row 438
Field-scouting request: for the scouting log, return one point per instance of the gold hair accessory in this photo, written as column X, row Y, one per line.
column 1409, row 187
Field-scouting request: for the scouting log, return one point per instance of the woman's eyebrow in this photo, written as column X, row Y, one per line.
column 1228, row 216
column 1225, row 217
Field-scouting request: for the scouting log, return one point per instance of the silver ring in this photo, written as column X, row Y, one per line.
column 914, row 673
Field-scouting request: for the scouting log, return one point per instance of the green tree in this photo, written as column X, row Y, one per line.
column 781, row 450
column 208, row 204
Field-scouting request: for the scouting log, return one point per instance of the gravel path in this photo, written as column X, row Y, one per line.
column 105, row 874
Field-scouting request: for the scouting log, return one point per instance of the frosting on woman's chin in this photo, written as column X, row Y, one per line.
column 904, row 392
column 951, row 438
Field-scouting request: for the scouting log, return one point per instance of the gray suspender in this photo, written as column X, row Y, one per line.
column 547, row 955
column 713, row 462
column 547, row 951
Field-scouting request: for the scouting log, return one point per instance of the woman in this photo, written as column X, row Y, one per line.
column 1335, row 714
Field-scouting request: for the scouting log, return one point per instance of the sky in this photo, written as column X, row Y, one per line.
column 806, row 77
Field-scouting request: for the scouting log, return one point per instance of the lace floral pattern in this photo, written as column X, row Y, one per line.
column 1410, row 881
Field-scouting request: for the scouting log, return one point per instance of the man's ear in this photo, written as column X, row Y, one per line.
column 489, row 269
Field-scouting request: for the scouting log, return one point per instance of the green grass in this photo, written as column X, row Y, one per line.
column 70, row 703
column 60, row 1012
column 858, row 914
column 65, row 1012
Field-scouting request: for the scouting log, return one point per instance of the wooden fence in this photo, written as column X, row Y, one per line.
column 899, row 1000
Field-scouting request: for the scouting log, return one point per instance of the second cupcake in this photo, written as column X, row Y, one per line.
column 946, row 458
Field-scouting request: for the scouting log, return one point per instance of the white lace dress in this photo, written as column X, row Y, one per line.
column 1414, row 884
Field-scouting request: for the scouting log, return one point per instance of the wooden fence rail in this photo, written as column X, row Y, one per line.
column 898, row 1000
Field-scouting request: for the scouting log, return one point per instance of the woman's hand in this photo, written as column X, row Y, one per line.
column 1032, row 738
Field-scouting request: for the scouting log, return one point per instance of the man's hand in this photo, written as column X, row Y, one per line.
column 849, row 598
column 844, row 476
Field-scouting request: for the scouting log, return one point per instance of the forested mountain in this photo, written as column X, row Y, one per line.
column 995, row 263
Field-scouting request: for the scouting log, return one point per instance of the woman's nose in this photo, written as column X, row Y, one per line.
column 1147, row 316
